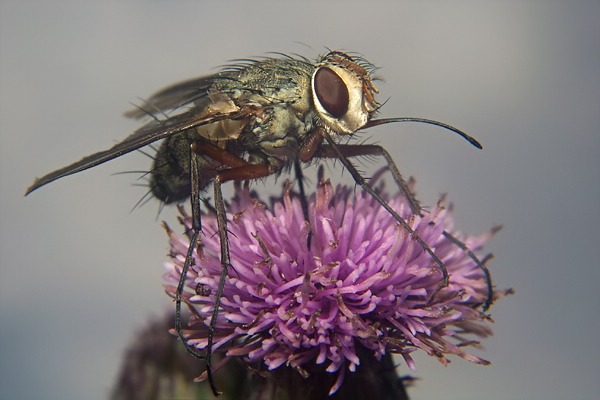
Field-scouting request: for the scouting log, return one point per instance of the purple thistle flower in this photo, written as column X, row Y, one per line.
column 362, row 284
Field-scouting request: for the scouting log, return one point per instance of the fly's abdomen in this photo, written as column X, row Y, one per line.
column 170, row 178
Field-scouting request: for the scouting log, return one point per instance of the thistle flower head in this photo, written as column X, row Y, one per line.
column 364, row 282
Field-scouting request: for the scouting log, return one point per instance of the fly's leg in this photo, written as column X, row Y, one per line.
column 239, row 170
column 350, row 150
column 300, row 179
column 194, row 240
column 344, row 151
column 306, row 152
column 303, row 199
column 480, row 263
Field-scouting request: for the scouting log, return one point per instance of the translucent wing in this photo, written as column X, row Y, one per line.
column 145, row 135
column 176, row 96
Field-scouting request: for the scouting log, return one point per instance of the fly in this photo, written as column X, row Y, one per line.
column 256, row 118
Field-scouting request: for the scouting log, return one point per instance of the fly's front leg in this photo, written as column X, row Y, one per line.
column 343, row 151
column 480, row 263
column 334, row 150
column 356, row 150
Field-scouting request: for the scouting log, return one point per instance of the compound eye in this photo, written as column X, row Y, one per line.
column 331, row 92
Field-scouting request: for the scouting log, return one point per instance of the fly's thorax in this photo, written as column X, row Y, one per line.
column 343, row 93
column 303, row 102
column 280, row 134
column 270, row 81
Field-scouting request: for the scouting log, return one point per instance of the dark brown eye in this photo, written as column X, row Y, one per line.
column 331, row 92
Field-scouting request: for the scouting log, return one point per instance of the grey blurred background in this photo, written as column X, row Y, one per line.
column 80, row 273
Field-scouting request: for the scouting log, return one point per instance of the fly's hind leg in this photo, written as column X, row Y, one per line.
column 236, row 169
column 194, row 240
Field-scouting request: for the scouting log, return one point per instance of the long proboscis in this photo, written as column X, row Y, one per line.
column 468, row 138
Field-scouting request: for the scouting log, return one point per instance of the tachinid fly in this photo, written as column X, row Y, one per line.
column 253, row 119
